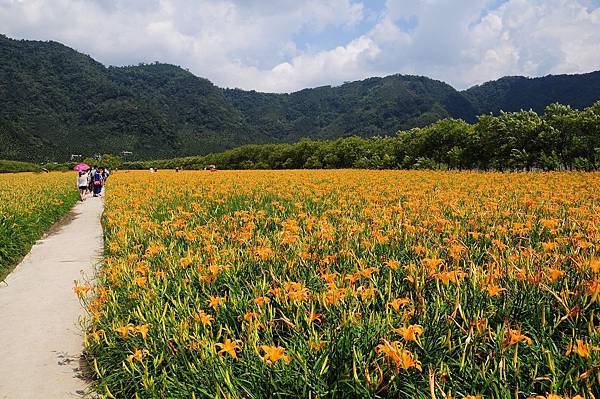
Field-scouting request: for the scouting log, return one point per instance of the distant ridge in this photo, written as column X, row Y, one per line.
column 55, row 101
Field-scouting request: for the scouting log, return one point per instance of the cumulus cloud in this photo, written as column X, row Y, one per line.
column 276, row 46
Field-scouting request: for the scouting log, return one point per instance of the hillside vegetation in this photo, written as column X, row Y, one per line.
column 562, row 138
column 55, row 102
column 16, row 166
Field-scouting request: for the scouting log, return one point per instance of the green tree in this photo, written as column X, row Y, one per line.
column 110, row 161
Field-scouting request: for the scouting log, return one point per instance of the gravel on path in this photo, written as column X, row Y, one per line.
column 40, row 336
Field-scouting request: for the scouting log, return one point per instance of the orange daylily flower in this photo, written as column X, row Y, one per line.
column 230, row 347
column 274, row 354
column 262, row 300
column 397, row 303
column 215, row 301
column 249, row 316
column 494, row 290
column 137, row 355
column 143, row 330
column 393, row 264
column 124, row 330
column 204, row 318
column 82, row 289
column 581, row 348
column 515, row 336
column 410, row 333
column 395, row 353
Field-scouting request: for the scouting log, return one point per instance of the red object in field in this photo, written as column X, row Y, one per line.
column 81, row 166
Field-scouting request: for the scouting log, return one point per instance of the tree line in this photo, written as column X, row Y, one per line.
column 562, row 138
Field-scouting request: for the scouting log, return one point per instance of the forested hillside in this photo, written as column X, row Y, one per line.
column 562, row 138
column 514, row 93
column 55, row 102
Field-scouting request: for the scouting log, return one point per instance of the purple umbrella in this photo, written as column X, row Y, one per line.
column 81, row 166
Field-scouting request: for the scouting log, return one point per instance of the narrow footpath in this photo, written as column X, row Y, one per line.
column 40, row 336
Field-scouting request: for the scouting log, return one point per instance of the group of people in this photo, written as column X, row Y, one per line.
column 92, row 181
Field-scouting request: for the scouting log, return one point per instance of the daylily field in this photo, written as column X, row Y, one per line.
column 347, row 284
column 29, row 204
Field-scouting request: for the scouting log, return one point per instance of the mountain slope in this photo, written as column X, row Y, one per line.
column 55, row 102
column 514, row 93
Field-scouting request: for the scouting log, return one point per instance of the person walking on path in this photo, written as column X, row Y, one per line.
column 92, row 172
column 98, row 182
column 83, row 183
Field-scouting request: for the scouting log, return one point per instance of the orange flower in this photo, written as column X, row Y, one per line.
column 392, row 264
column 410, row 333
column 137, row 355
column 124, row 330
column 334, row 294
column 215, row 301
column 274, row 354
column 249, row 316
column 316, row 345
column 555, row 274
column 263, row 253
column 153, row 250
column 431, row 264
column 185, row 262
column 368, row 271
column 454, row 276
column 549, row 246
column 97, row 335
column 595, row 265
column 81, row 290
column 515, row 336
column 143, row 330
column 140, row 281
column 366, row 293
column 493, row 290
column 455, row 252
column 397, row 303
column 230, row 347
column 581, row 348
column 204, row 318
column 262, row 300
column 395, row 353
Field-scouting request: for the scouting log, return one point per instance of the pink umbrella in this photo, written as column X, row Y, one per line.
column 81, row 166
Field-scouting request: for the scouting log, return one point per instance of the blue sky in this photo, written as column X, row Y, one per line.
column 287, row 45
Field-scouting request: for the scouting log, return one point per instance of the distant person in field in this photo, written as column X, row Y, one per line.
column 98, row 182
column 83, row 183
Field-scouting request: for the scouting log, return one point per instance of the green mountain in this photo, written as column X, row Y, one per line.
column 55, row 101
column 514, row 93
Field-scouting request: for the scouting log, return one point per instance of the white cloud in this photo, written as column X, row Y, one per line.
column 339, row 64
column 535, row 38
column 260, row 45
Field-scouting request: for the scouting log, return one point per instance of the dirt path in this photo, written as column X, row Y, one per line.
column 40, row 338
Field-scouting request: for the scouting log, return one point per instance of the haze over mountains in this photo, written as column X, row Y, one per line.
column 55, row 101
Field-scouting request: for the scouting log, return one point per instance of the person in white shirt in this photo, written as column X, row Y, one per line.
column 82, row 184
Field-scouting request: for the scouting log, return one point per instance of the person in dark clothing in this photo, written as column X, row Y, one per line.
column 98, row 182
